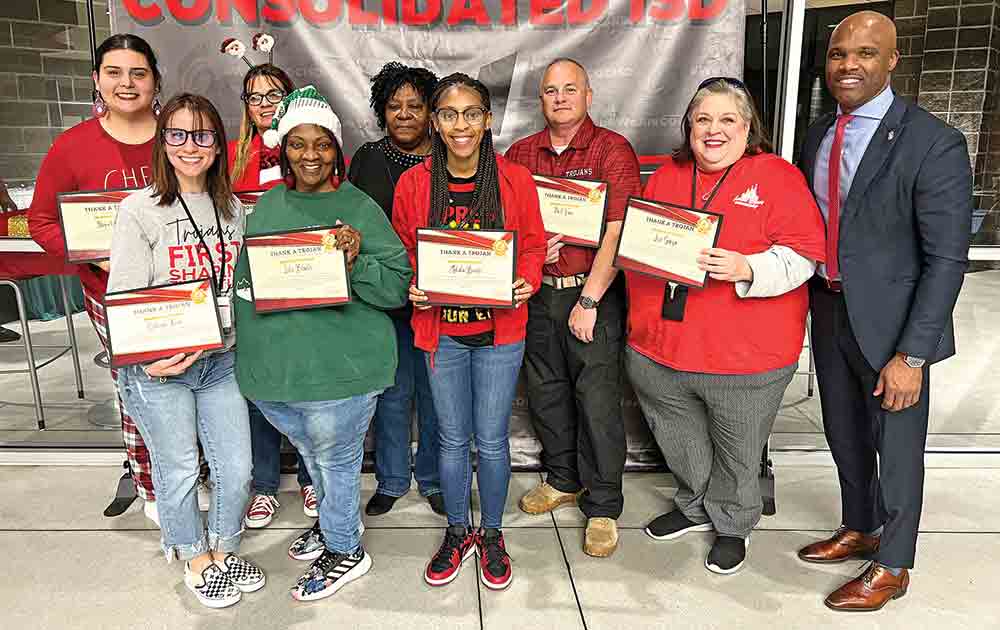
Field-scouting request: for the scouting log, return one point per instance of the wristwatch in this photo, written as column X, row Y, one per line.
column 913, row 362
column 587, row 302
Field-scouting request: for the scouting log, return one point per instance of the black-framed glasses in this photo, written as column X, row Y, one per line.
column 730, row 81
column 256, row 98
column 473, row 116
column 178, row 137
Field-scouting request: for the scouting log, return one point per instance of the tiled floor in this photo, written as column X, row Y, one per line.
column 66, row 566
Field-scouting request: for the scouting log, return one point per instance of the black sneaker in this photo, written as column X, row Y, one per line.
column 309, row 545
column 674, row 525
column 330, row 573
column 459, row 545
column 495, row 571
column 727, row 555
column 436, row 501
column 380, row 504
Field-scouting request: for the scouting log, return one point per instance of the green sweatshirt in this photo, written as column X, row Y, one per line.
column 323, row 353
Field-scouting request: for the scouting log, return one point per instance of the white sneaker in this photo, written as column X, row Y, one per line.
column 244, row 575
column 149, row 509
column 261, row 511
column 213, row 588
column 331, row 572
column 309, row 507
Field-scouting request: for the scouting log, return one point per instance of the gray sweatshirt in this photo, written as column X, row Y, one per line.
column 153, row 245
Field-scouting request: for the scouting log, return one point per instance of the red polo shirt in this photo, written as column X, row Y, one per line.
column 594, row 153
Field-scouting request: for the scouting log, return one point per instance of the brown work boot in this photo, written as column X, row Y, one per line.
column 544, row 498
column 845, row 544
column 869, row 591
column 601, row 538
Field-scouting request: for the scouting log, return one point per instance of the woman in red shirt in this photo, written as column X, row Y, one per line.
column 253, row 166
column 473, row 354
column 710, row 366
column 109, row 151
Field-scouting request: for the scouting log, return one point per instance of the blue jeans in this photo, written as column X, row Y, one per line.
column 173, row 414
column 330, row 438
column 393, row 420
column 473, row 392
column 265, row 443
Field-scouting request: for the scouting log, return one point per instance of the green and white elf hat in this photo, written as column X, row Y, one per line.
column 304, row 106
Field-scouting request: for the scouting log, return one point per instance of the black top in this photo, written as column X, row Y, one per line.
column 375, row 169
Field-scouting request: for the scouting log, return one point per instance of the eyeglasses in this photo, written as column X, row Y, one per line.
column 473, row 116
column 730, row 81
column 178, row 137
column 256, row 98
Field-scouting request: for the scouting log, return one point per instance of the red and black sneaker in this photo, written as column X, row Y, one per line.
column 459, row 544
column 494, row 562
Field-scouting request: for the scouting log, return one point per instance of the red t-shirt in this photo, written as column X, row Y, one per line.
column 594, row 153
column 765, row 202
column 84, row 157
column 457, row 321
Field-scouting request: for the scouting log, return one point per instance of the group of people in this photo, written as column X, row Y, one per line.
column 872, row 232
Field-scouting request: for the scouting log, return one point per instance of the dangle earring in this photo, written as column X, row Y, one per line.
column 100, row 108
column 157, row 108
column 335, row 178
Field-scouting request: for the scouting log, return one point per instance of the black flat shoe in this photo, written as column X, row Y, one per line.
column 436, row 501
column 7, row 335
column 380, row 504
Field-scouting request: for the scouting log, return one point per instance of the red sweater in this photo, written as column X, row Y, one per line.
column 84, row 157
column 411, row 209
column 765, row 202
column 250, row 179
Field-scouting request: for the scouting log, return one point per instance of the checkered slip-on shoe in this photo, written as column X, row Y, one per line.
column 244, row 575
column 213, row 588
column 330, row 573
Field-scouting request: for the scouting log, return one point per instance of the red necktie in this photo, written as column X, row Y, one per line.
column 833, row 200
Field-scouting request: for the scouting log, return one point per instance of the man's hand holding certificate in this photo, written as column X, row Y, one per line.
column 466, row 267
column 88, row 219
column 574, row 208
column 296, row 270
column 160, row 322
column 666, row 240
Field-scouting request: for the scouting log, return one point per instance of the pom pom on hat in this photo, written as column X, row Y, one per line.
column 271, row 138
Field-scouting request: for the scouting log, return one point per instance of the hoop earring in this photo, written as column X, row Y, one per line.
column 100, row 108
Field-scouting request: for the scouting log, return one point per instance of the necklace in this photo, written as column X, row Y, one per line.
column 707, row 195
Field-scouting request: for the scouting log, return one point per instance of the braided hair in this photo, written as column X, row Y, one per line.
column 391, row 78
column 486, row 206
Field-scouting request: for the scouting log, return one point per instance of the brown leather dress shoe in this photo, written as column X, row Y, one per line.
column 869, row 591
column 845, row 544
column 544, row 498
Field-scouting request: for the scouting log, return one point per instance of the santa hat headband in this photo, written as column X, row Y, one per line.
column 262, row 42
column 304, row 106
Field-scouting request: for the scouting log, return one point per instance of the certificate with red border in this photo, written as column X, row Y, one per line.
column 158, row 322
column 88, row 219
column 664, row 240
column 248, row 199
column 295, row 270
column 467, row 267
column 575, row 208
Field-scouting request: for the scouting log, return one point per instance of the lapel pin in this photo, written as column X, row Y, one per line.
column 892, row 134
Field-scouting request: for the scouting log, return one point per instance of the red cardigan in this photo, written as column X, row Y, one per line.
column 411, row 209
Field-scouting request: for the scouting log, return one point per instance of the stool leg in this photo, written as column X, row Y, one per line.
column 36, row 392
column 74, row 349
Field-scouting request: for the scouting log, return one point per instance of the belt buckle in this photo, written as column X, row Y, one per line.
column 833, row 285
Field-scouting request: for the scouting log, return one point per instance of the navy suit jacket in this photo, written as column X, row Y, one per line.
column 904, row 233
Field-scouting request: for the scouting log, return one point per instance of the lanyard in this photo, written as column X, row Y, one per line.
column 219, row 282
column 715, row 190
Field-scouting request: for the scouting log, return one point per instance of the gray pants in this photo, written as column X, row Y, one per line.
column 711, row 429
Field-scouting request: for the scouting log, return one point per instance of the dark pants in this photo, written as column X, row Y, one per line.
column 265, row 445
column 574, row 391
column 886, row 490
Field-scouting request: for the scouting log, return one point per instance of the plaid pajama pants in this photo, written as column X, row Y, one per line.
column 135, row 448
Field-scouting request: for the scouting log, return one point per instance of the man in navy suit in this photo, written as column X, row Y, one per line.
column 895, row 188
